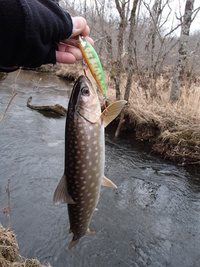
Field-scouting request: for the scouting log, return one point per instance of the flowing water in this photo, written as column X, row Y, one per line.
column 151, row 219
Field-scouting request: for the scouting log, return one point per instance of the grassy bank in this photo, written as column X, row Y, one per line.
column 172, row 130
column 9, row 255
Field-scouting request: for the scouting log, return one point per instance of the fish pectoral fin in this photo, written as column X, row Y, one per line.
column 107, row 182
column 61, row 194
column 112, row 111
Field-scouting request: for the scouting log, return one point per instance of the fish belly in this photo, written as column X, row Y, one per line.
column 85, row 158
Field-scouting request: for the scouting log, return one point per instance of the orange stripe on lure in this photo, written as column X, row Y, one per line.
column 91, row 58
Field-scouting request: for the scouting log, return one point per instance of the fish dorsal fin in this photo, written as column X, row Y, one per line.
column 107, row 182
column 61, row 194
column 112, row 111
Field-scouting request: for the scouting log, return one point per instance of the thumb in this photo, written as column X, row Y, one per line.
column 79, row 26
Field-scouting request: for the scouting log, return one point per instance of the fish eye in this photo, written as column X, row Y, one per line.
column 85, row 91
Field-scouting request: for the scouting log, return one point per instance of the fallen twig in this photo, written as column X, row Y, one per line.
column 12, row 95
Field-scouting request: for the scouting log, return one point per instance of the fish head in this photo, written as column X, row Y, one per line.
column 84, row 100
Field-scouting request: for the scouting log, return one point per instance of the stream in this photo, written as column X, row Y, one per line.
column 151, row 219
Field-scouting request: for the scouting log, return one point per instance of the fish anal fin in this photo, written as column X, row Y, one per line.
column 90, row 231
column 112, row 111
column 61, row 194
column 107, row 182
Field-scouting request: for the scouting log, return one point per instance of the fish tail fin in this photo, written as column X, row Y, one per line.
column 73, row 243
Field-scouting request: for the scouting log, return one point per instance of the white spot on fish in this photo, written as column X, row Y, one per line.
column 90, row 163
column 92, row 184
column 95, row 142
column 85, row 171
column 91, row 200
column 89, row 194
column 96, row 154
column 88, row 137
column 82, row 143
column 91, row 128
column 90, row 176
column 83, row 187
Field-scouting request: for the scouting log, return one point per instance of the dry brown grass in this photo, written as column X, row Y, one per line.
column 178, row 124
column 9, row 256
column 182, row 116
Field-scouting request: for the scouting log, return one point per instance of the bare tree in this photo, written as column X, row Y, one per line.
column 123, row 10
column 182, row 52
column 130, row 60
column 130, row 65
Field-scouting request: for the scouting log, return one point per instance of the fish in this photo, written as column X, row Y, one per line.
column 83, row 175
column 91, row 58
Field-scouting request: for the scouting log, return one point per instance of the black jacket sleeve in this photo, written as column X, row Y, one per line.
column 29, row 30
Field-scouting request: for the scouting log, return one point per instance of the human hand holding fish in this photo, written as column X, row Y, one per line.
column 68, row 50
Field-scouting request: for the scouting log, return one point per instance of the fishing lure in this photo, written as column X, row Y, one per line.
column 91, row 58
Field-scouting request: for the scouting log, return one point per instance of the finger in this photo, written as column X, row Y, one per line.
column 64, row 57
column 80, row 26
column 90, row 40
column 75, row 52
column 70, row 49
column 73, row 41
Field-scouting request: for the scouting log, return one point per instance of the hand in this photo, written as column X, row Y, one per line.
column 68, row 51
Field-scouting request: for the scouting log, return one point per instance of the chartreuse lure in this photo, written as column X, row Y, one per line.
column 91, row 58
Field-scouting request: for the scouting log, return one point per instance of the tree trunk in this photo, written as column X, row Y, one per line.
column 130, row 62
column 122, row 27
column 130, row 51
column 182, row 52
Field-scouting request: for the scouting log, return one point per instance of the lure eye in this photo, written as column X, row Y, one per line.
column 85, row 91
